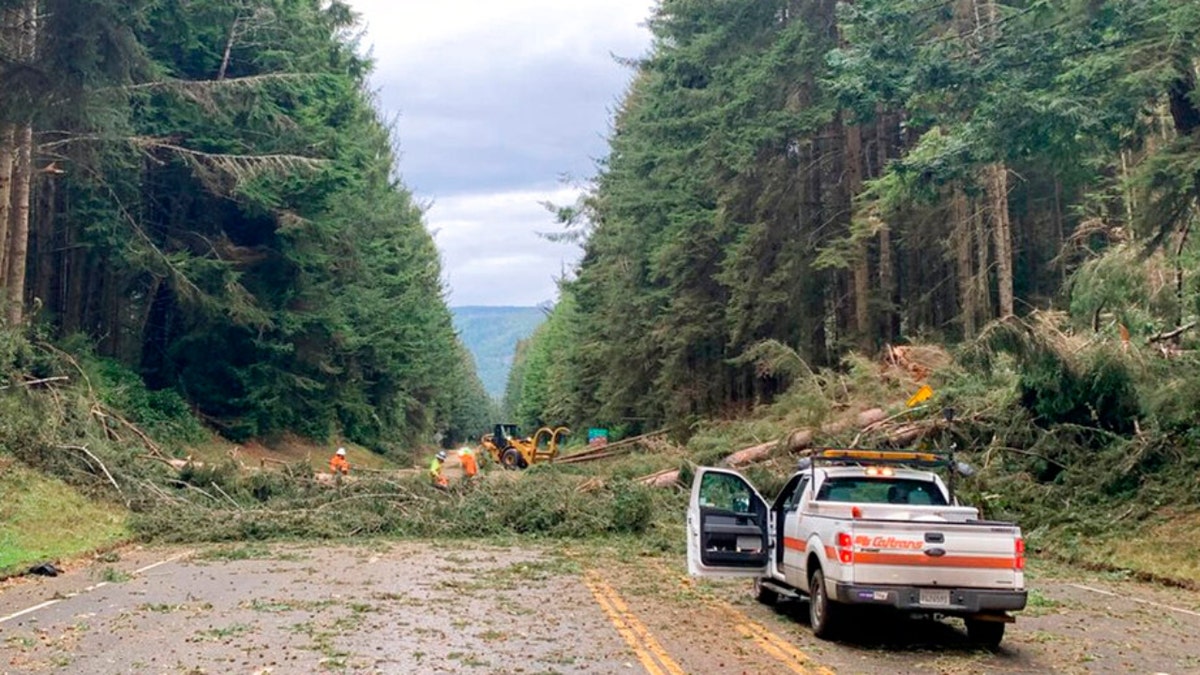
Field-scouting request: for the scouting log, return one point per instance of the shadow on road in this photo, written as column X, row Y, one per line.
column 879, row 629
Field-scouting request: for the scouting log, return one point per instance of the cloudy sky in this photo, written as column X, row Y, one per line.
column 495, row 102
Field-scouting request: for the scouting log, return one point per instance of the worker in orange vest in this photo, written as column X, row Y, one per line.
column 338, row 464
column 470, row 468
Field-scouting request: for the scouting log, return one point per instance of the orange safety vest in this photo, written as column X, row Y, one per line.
column 470, row 468
column 339, row 465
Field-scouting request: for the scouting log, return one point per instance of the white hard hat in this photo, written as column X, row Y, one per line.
column 441, row 455
column 342, row 452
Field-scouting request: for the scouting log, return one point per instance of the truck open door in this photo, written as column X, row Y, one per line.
column 727, row 526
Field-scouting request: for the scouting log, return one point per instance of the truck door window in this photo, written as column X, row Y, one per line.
column 725, row 492
column 733, row 522
column 793, row 499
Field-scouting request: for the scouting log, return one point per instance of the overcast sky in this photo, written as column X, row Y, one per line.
column 495, row 101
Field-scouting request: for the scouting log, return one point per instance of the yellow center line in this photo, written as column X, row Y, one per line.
column 766, row 646
column 640, row 628
column 783, row 651
column 624, row 631
column 787, row 648
column 603, row 591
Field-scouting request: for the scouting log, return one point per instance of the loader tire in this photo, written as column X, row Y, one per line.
column 511, row 459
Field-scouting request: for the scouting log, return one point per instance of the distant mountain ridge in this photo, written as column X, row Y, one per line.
column 491, row 334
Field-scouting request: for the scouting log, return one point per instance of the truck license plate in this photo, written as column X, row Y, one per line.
column 929, row 597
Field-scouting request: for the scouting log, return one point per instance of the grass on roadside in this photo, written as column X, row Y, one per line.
column 1167, row 550
column 43, row 518
column 288, row 449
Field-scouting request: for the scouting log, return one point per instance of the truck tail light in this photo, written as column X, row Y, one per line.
column 1019, row 562
column 845, row 548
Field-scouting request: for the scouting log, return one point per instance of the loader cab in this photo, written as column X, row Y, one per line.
column 505, row 434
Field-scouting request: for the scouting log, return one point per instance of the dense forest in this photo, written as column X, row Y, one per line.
column 814, row 178
column 202, row 192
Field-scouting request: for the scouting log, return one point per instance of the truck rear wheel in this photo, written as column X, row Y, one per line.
column 824, row 615
column 985, row 633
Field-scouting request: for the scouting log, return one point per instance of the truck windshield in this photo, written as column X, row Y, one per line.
column 881, row 491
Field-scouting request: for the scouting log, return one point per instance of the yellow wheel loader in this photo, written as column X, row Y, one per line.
column 508, row 449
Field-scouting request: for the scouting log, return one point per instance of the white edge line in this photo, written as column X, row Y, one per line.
column 1140, row 600
column 172, row 559
column 28, row 610
column 102, row 584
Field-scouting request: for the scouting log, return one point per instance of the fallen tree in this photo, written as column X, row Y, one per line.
column 867, row 421
column 611, row 449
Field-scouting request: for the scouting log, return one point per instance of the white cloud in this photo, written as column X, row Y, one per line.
column 495, row 100
column 481, row 31
column 491, row 250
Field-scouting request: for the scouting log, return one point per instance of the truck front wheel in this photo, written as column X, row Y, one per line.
column 765, row 595
column 824, row 615
column 985, row 633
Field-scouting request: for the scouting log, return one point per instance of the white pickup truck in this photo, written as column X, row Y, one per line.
column 855, row 527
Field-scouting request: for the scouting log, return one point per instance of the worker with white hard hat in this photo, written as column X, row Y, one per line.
column 435, row 470
column 338, row 464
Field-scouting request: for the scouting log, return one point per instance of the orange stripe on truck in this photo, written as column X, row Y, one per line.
column 795, row 544
column 902, row 559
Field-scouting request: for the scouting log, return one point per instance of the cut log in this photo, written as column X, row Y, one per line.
column 796, row 441
column 755, row 453
column 834, row 428
column 907, row 434
column 590, row 485
column 800, row 439
column 1171, row 335
column 589, row 457
column 611, row 449
column 873, row 416
column 665, row 480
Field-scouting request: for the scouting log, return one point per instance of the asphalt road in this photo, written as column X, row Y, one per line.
column 459, row 607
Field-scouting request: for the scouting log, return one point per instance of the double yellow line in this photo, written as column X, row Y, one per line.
column 787, row 654
column 781, row 650
column 649, row 651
